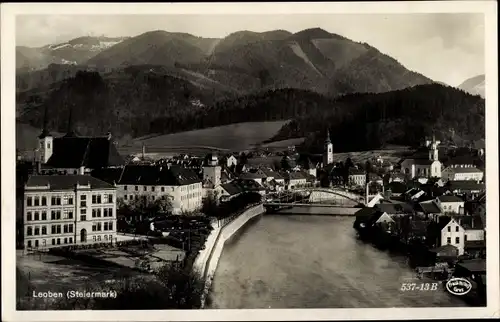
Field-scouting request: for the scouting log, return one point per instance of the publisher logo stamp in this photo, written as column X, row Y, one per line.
column 458, row 286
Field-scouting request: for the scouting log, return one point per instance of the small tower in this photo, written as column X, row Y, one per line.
column 45, row 141
column 328, row 153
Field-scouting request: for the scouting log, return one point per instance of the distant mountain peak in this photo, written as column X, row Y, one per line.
column 474, row 85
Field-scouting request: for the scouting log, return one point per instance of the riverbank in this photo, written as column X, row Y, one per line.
column 206, row 262
column 318, row 211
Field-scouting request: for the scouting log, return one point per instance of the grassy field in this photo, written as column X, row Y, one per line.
column 233, row 137
column 284, row 143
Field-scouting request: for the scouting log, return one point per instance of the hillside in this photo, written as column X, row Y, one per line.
column 474, row 85
column 73, row 52
column 403, row 117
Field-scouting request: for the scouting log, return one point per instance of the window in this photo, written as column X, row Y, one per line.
column 152, row 197
column 99, row 199
column 105, row 214
column 37, row 231
column 65, row 200
column 94, row 227
column 29, row 243
column 37, row 201
column 125, row 197
column 125, row 188
column 83, row 217
column 98, row 214
column 457, row 240
column 94, row 199
column 465, row 237
column 105, row 226
column 456, row 228
column 65, row 229
column 98, row 238
column 53, row 229
column 145, row 188
column 36, row 243
column 99, row 226
column 448, row 240
column 71, row 240
column 58, row 241
column 53, row 241
column 65, row 240
column 29, row 216
column 29, row 231
column 449, row 229
column 44, row 230
column 70, row 200
column 83, row 197
column 94, row 213
column 110, row 226
column 83, row 211
column 53, row 215
column 58, row 214
column 70, row 228
column 110, row 198
column 162, row 189
column 29, row 201
column 136, row 188
column 70, row 215
column 58, row 229
column 110, row 212
column 152, row 188
column 44, row 215
column 83, row 203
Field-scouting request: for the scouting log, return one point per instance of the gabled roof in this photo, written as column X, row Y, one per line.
column 430, row 207
column 449, row 199
column 296, row 175
column 251, row 175
column 466, row 185
column 91, row 152
column 66, row 182
column 459, row 160
column 464, row 170
column 231, row 188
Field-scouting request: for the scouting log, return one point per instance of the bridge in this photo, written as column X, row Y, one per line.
column 317, row 197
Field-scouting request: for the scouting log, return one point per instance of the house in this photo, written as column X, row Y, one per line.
column 469, row 188
column 363, row 217
column 375, row 178
column 395, row 209
column 72, row 154
column 181, row 186
column 375, row 200
column 397, row 177
column 275, row 186
column 450, row 204
column 476, row 205
column 252, row 176
column 295, row 179
column 395, row 188
column 451, row 233
column 68, row 209
column 267, row 174
column 414, row 194
column 474, row 237
column 461, row 174
column 430, row 209
column 231, row 161
column 357, row 177
column 228, row 191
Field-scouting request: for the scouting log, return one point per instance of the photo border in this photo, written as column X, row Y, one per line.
column 8, row 14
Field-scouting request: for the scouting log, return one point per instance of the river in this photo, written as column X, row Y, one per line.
column 304, row 261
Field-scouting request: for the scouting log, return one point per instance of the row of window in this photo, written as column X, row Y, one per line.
column 191, row 195
column 457, row 240
column 54, row 229
column 54, row 201
column 162, row 189
column 64, row 241
column 54, row 215
column 102, row 226
column 97, row 199
column 457, row 228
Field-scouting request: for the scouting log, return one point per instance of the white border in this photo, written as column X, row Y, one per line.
column 8, row 13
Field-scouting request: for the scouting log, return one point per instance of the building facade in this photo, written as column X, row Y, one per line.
column 462, row 174
column 69, row 209
column 453, row 234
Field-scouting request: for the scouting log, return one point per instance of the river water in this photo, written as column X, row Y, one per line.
column 304, row 261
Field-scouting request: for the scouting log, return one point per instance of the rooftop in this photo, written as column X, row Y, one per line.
column 66, row 182
column 449, row 199
column 464, row 170
column 430, row 207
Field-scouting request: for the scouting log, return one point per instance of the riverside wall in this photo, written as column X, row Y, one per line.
column 207, row 260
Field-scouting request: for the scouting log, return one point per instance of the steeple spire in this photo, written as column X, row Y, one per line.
column 328, row 136
column 70, row 132
column 45, row 131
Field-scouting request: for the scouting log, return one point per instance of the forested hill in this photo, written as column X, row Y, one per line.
column 367, row 121
column 135, row 102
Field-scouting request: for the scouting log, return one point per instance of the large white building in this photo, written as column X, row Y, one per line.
column 462, row 174
column 68, row 209
column 181, row 186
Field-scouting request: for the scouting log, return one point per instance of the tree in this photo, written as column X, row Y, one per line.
column 285, row 165
column 210, row 205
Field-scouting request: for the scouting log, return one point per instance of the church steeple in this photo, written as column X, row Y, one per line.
column 328, row 153
column 328, row 141
column 70, row 132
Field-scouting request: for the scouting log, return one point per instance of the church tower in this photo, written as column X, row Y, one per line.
column 433, row 149
column 328, row 153
column 45, row 141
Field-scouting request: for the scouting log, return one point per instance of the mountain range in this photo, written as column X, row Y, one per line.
column 162, row 82
column 474, row 85
column 242, row 62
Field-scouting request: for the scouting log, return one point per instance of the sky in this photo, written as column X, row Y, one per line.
column 446, row 47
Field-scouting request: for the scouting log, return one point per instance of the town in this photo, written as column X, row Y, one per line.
column 79, row 198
